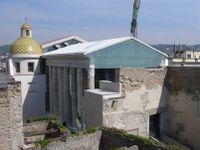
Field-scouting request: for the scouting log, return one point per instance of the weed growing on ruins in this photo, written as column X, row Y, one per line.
column 138, row 140
column 42, row 143
column 90, row 130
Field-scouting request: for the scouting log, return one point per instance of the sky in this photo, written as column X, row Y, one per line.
column 159, row 21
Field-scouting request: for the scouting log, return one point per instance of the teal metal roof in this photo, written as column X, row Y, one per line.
column 130, row 53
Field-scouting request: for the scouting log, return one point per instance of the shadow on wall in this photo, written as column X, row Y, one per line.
column 156, row 124
column 34, row 87
column 182, row 117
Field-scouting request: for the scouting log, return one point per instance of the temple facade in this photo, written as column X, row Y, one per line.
column 76, row 68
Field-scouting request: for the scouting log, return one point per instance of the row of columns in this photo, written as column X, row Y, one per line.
column 66, row 92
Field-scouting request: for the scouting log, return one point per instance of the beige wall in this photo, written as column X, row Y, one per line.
column 173, row 92
column 142, row 93
column 94, row 111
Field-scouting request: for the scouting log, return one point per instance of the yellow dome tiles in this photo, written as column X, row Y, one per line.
column 25, row 45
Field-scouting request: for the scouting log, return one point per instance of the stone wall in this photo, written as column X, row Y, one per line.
column 105, row 139
column 144, row 93
column 11, row 126
column 182, row 118
column 172, row 92
column 112, row 139
column 144, row 89
column 85, row 142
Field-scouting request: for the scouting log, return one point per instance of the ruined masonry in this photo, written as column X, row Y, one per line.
column 11, row 125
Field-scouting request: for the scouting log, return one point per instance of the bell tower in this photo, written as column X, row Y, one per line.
column 26, row 30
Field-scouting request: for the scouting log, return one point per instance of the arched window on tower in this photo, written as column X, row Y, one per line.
column 27, row 33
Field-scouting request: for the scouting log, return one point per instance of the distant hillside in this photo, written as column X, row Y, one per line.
column 166, row 48
column 5, row 48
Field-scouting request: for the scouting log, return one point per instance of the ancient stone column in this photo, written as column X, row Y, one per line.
column 80, row 95
column 91, row 77
column 65, row 94
column 54, row 89
column 72, row 90
column 60, row 94
column 51, row 88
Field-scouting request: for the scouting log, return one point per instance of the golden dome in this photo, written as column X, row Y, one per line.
column 26, row 26
column 26, row 45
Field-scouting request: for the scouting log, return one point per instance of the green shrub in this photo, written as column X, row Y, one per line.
column 57, row 125
column 90, row 130
column 76, row 134
column 138, row 139
column 42, row 143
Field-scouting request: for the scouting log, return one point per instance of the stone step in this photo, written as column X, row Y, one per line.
column 5, row 79
column 33, row 139
column 28, row 134
column 29, row 147
column 37, row 126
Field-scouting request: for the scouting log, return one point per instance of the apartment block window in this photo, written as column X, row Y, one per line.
column 17, row 67
column 30, row 67
column 189, row 56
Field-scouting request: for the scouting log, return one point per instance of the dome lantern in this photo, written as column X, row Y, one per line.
column 26, row 30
